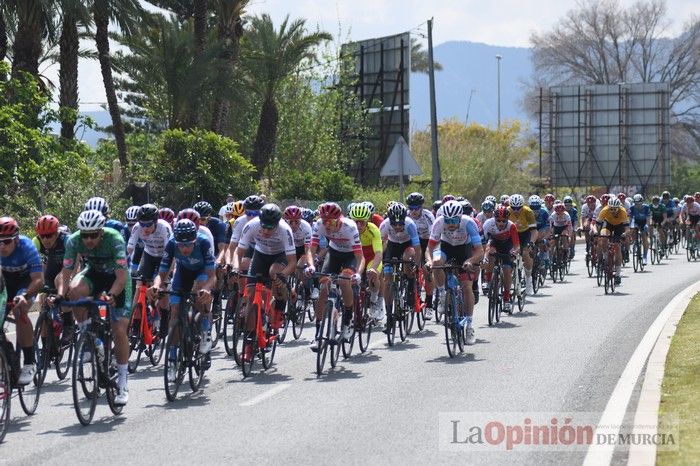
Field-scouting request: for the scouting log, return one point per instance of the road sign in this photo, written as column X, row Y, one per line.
column 401, row 161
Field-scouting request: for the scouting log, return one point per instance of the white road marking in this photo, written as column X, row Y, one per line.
column 265, row 395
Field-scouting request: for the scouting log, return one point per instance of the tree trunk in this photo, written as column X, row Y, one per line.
column 68, row 75
column 266, row 136
column 3, row 42
column 26, row 49
column 200, row 39
column 102, row 42
column 231, row 38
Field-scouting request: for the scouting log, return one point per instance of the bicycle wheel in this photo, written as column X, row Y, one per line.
column 589, row 265
column 43, row 345
column 562, row 269
column 364, row 329
column 324, row 338
column 635, row 257
column 84, row 383
column 420, row 319
column 111, row 387
column 64, row 358
column 135, row 335
column 268, row 353
column 155, row 350
column 535, row 279
column 247, row 366
column 449, row 324
column 216, row 318
column 229, row 327
column 493, row 298
column 349, row 343
column 174, row 358
column 335, row 336
column 299, row 318
column 29, row 394
column 392, row 317
column 5, row 395
column 196, row 363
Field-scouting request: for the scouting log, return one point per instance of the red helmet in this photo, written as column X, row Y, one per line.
column 688, row 200
column 549, row 197
column 604, row 199
column 8, row 227
column 46, row 225
column 559, row 207
column 166, row 214
column 622, row 197
column 189, row 214
column 697, row 195
column 447, row 197
column 292, row 213
column 590, row 199
column 329, row 210
column 501, row 213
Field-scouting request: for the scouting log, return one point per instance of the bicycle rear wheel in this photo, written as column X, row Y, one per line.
column 64, row 359
column 364, row 329
column 84, row 383
column 112, row 375
column 449, row 324
column 228, row 325
column 268, row 353
column 196, row 363
column 335, row 344
column 216, row 320
column 177, row 363
column 299, row 318
column 44, row 346
column 29, row 394
column 327, row 332
column 535, row 279
column 247, row 366
column 5, row 395
column 348, row 344
column 135, row 334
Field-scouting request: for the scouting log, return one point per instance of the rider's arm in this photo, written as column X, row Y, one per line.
column 120, row 282
column 37, row 282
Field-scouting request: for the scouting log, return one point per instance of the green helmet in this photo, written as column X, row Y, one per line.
column 361, row 212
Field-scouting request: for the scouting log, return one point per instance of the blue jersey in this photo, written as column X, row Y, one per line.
column 120, row 227
column 640, row 214
column 542, row 217
column 670, row 205
column 199, row 259
column 573, row 213
column 23, row 261
column 218, row 231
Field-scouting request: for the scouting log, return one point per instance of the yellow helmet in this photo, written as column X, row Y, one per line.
column 236, row 209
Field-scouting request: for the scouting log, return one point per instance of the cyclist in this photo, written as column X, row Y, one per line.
column 502, row 238
column 371, row 242
column 274, row 257
column 505, row 200
column 224, row 208
column 193, row 215
column 640, row 215
column 252, row 205
column 672, row 213
column 613, row 222
column 190, row 249
column 301, row 232
column 658, row 218
column 23, row 278
column 573, row 213
column 542, row 219
column 424, row 219
column 690, row 214
column 344, row 257
column 134, row 256
column 167, row 214
column 588, row 216
column 105, row 275
column 549, row 203
column 436, row 208
column 99, row 203
column 401, row 241
column 376, row 218
column 560, row 224
column 487, row 209
column 456, row 237
column 154, row 235
column 625, row 202
column 217, row 228
column 525, row 221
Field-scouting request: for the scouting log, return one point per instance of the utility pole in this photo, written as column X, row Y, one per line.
column 469, row 105
column 437, row 179
column 498, row 61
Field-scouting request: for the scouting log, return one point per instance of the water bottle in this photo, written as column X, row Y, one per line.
column 100, row 347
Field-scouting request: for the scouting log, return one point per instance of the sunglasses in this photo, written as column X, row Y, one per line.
column 6, row 241
column 146, row 224
column 267, row 227
column 252, row 213
column 415, row 207
column 185, row 244
column 501, row 222
column 516, row 208
column 93, row 235
column 453, row 221
column 51, row 235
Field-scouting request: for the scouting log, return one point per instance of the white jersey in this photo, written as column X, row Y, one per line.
column 237, row 228
column 207, row 232
column 424, row 223
column 345, row 239
column 467, row 232
column 597, row 210
column 560, row 220
column 409, row 232
column 279, row 241
column 153, row 244
column 588, row 213
column 692, row 209
column 481, row 217
column 628, row 207
column 302, row 236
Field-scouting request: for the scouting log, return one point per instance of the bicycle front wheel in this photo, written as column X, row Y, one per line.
column 449, row 324
column 364, row 328
column 84, row 383
column 174, row 365
column 5, row 395
column 43, row 345
column 29, row 394
column 299, row 318
column 135, row 339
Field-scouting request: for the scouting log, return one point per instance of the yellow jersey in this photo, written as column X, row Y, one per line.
column 524, row 219
column 620, row 218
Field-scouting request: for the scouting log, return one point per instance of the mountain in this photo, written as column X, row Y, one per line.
column 90, row 136
column 467, row 66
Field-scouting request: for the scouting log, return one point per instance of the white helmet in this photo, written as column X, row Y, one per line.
column 614, row 202
column 638, row 198
column 97, row 203
column 516, row 200
column 491, row 199
column 132, row 213
column 91, row 220
column 534, row 199
column 451, row 209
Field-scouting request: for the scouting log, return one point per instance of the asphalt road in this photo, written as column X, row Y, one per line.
column 565, row 352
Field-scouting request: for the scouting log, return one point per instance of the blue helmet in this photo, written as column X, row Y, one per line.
column 185, row 231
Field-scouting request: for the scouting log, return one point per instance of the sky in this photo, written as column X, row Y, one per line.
column 494, row 22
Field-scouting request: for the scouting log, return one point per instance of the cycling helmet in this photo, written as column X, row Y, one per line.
column 491, row 199
column 655, row 199
column 397, row 214
column 389, row 204
column 505, row 198
column 534, row 198
column 237, row 209
column 568, row 200
column 501, row 213
column 437, row 205
column 459, row 198
column 447, row 197
column 46, row 225
column 8, row 227
column 253, row 203
column 148, row 213
column 91, row 220
column 696, row 195
column 329, row 210
column 415, row 199
column 185, row 231
column 451, row 209
column 535, row 203
column 604, row 199
column 487, row 206
column 97, row 203
column 614, row 202
column 360, row 212
column 559, row 207
column 516, row 200
column 637, row 198
column 203, row 208
column 590, row 199
column 308, row 215
column 467, row 208
column 292, row 212
column 622, row 196
column 370, row 206
column 189, row 214
column 676, row 200
column 549, row 197
column 665, row 194
column 132, row 213
column 270, row 215
column 166, row 214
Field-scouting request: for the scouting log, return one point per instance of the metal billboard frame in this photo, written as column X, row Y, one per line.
column 381, row 82
column 605, row 135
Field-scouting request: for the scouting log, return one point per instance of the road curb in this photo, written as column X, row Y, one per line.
column 650, row 397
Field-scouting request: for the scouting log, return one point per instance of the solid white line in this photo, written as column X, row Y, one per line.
column 267, row 394
column 615, row 410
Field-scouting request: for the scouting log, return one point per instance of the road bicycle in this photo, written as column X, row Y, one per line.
column 144, row 329
column 53, row 340
column 455, row 322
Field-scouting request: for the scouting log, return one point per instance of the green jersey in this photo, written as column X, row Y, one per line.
column 658, row 212
column 107, row 257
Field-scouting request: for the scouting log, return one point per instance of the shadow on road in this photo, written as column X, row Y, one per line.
column 335, row 374
column 264, row 378
column 458, row 359
column 363, row 358
column 423, row 334
column 185, row 399
column 104, row 424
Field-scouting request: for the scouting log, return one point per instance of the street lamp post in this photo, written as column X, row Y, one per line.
column 498, row 62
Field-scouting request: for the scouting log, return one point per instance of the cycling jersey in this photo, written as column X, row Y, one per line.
column 557, row 220
column 573, row 213
column 237, row 229
column 481, row 217
column 302, row 235
column 588, row 213
column 377, row 219
column 107, row 257
column 626, row 204
column 524, row 219
column 121, row 228
column 692, row 209
column 658, row 212
column 466, row 233
column 371, row 241
column 53, row 257
column 542, row 219
column 154, row 244
column 200, row 259
column 606, row 215
column 424, row 223
column 640, row 214
column 218, row 231
column 346, row 238
column 509, row 232
column 210, row 237
column 279, row 241
column 408, row 234
column 23, row 261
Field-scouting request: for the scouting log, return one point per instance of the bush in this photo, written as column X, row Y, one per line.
column 330, row 185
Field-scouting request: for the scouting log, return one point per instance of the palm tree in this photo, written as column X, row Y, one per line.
column 419, row 58
column 126, row 14
column 3, row 40
column 229, row 33
column 274, row 55
column 35, row 21
column 75, row 13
